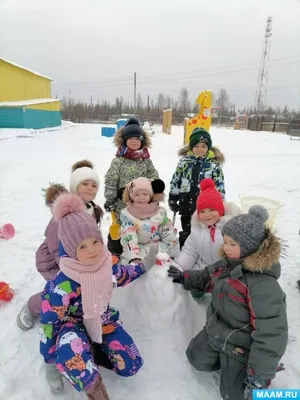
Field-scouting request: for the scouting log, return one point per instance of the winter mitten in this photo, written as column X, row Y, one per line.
column 253, row 381
column 176, row 274
column 54, row 379
column 109, row 206
column 150, row 258
column 174, row 206
column 197, row 294
column 99, row 356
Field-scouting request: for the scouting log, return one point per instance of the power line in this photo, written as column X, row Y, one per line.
column 141, row 82
column 127, row 79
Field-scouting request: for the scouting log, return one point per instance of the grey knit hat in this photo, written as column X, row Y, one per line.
column 74, row 223
column 248, row 230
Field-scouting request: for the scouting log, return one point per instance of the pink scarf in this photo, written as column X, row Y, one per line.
column 96, row 289
column 143, row 211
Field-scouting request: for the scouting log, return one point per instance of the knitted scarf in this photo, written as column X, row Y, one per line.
column 125, row 152
column 143, row 211
column 96, row 289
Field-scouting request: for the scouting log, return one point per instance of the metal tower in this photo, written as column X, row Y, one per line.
column 262, row 81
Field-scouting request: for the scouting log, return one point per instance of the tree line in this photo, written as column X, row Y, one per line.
column 82, row 111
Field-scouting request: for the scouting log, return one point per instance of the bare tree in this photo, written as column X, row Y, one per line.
column 139, row 102
column 223, row 101
column 161, row 101
column 184, row 100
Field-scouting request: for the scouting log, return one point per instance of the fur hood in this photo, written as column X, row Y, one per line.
column 214, row 154
column 52, row 192
column 266, row 258
column 231, row 210
column 118, row 140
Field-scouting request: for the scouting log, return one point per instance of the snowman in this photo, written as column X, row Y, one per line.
column 162, row 318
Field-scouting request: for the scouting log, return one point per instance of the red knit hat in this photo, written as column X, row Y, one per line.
column 209, row 197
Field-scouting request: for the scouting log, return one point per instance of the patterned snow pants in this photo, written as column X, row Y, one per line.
column 74, row 360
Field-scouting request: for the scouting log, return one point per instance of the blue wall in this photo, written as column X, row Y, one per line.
column 14, row 117
column 11, row 117
column 37, row 119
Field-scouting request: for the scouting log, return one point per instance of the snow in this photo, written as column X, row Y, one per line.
column 161, row 316
column 21, row 103
column 26, row 69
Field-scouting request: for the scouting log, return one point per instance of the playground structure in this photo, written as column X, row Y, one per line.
column 167, row 121
column 241, row 122
column 202, row 119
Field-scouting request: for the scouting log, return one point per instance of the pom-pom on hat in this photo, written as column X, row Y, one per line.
column 209, row 197
column 52, row 192
column 82, row 171
column 200, row 135
column 248, row 230
column 74, row 223
column 155, row 188
column 132, row 129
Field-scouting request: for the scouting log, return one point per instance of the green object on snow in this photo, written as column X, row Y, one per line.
column 197, row 294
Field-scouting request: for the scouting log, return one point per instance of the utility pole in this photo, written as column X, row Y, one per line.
column 134, row 93
column 262, row 80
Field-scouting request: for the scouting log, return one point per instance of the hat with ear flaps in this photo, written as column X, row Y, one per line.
column 155, row 188
column 132, row 129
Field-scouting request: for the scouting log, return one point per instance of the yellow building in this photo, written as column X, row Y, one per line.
column 25, row 98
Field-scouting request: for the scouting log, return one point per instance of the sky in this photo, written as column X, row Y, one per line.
column 92, row 48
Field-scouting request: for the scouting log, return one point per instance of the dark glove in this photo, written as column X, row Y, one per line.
column 176, row 274
column 174, row 206
column 108, row 206
column 99, row 356
column 253, row 381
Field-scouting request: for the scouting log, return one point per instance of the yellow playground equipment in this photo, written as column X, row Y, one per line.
column 202, row 119
column 167, row 121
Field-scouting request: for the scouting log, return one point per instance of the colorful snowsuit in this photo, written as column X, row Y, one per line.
column 246, row 322
column 138, row 235
column 184, row 185
column 63, row 337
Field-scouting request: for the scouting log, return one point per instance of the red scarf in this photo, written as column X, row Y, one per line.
column 212, row 231
column 125, row 152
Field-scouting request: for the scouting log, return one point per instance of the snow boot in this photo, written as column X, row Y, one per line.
column 25, row 319
column 54, row 379
column 98, row 391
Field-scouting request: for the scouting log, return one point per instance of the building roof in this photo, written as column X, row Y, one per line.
column 21, row 103
column 26, row 69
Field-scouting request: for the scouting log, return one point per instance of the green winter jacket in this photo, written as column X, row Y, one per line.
column 122, row 171
column 246, row 318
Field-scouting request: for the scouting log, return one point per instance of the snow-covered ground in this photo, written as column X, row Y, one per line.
column 257, row 163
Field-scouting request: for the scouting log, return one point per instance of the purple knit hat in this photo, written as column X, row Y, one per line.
column 74, row 223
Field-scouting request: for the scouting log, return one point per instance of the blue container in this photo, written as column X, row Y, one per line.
column 121, row 122
column 108, row 131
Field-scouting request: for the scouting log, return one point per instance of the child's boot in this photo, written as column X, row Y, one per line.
column 26, row 319
column 98, row 391
column 54, row 379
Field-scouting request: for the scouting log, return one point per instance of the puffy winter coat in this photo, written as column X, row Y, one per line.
column 62, row 302
column 199, row 249
column 247, row 315
column 137, row 235
column 124, row 170
column 46, row 256
column 184, row 185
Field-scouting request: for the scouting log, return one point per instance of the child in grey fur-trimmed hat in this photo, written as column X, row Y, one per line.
column 246, row 330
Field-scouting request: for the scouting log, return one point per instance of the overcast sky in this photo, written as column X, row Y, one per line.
column 93, row 47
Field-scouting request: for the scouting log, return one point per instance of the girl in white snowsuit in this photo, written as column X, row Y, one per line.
column 144, row 222
column 202, row 247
